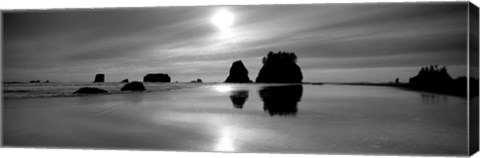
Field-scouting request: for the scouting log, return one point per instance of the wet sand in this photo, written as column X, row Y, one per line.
column 334, row 119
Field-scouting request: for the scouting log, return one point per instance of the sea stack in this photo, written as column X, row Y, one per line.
column 133, row 86
column 197, row 81
column 238, row 73
column 436, row 79
column 99, row 78
column 431, row 75
column 90, row 90
column 280, row 67
column 159, row 77
column 124, row 81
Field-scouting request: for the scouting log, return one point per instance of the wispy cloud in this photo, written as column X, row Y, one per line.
column 127, row 43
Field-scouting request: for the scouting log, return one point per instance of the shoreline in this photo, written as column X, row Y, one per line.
column 66, row 89
column 452, row 90
column 445, row 89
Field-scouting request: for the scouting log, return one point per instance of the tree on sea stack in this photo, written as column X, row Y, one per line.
column 432, row 75
column 280, row 67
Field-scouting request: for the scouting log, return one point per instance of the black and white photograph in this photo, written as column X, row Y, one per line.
column 338, row 78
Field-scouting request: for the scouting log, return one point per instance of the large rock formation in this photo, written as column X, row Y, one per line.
column 431, row 75
column 280, row 67
column 133, row 86
column 238, row 73
column 124, row 81
column 99, row 78
column 437, row 80
column 159, row 77
column 90, row 90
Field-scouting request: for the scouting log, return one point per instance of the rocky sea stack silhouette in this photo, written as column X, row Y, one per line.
column 238, row 73
column 90, row 90
column 35, row 81
column 431, row 75
column 199, row 80
column 280, row 67
column 159, row 77
column 99, row 78
column 133, row 86
column 434, row 79
column 124, row 81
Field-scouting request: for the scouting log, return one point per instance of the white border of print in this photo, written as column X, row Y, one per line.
column 83, row 153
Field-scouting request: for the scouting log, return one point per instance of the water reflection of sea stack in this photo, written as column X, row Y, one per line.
column 281, row 100
column 239, row 98
column 428, row 98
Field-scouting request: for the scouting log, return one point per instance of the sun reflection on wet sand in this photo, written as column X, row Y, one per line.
column 225, row 142
column 223, row 88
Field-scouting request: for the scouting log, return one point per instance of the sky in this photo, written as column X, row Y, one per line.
column 333, row 42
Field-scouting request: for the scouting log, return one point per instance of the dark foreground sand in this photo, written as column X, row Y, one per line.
column 329, row 119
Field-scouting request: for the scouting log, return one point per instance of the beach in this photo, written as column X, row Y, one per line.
column 264, row 118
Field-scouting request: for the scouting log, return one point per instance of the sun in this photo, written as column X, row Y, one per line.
column 223, row 19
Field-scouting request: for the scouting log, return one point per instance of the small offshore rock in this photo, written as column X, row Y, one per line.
column 134, row 86
column 90, row 90
column 99, row 78
column 159, row 77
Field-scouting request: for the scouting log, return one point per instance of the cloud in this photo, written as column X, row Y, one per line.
column 43, row 44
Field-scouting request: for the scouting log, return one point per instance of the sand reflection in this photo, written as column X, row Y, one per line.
column 281, row 100
column 226, row 141
column 428, row 98
column 238, row 98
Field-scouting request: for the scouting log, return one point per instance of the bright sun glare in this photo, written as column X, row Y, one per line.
column 223, row 19
column 223, row 88
column 226, row 142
